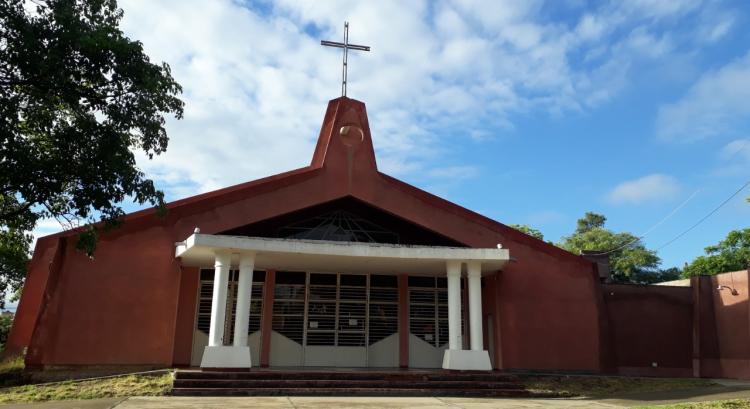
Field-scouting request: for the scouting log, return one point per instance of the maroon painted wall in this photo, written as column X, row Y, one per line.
column 130, row 305
column 723, row 322
column 47, row 259
column 650, row 324
column 186, row 310
column 549, row 316
column 118, row 308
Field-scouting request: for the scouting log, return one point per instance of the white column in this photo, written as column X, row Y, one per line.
column 455, row 357
column 474, row 270
column 244, row 292
column 219, row 300
column 216, row 355
column 454, row 305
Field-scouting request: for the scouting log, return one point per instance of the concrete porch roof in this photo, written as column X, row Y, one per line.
column 199, row 250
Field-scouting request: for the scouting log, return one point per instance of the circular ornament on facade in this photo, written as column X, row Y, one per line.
column 351, row 135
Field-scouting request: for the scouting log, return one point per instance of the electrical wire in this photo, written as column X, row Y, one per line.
column 716, row 209
column 659, row 223
column 637, row 239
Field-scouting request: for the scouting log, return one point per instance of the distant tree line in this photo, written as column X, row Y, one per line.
column 632, row 262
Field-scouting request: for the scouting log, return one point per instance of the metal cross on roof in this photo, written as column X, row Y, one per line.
column 346, row 46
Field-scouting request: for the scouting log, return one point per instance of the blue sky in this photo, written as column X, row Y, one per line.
column 524, row 111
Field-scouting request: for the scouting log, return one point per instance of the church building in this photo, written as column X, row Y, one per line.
column 340, row 265
column 332, row 265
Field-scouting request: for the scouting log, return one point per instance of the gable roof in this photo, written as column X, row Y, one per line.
column 344, row 157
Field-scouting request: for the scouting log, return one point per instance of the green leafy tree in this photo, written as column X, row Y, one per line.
column 730, row 254
column 14, row 250
column 590, row 221
column 77, row 100
column 6, row 321
column 660, row 276
column 630, row 261
column 524, row 228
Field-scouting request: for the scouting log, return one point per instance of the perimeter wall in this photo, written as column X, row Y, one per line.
column 722, row 325
column 651, row 329
column 699, row 327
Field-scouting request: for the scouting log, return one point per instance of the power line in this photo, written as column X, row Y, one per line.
column 664, row 219
column 637, row 239
column 706, row 216
column 740, row 148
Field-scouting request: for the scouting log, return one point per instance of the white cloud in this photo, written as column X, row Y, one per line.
column 590, row 27
column 256, row 82
column 734, row 158
column 715, row 29
column 654, row 187
column 713, row 106
column 44, row 227
column 737, row 149
column 454, row 173
column 658, row 9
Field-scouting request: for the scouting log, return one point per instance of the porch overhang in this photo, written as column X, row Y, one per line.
column 199, row 250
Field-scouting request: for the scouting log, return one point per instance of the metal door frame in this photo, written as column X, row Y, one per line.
column 337, row 302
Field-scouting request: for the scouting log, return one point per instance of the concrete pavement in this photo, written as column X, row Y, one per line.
column 311, row 403
column 737, row 390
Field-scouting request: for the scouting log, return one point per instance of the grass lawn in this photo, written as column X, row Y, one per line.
column 119, row 386
column 717, row 404
column 15, row 386
column 607, row 386
column 11, row 372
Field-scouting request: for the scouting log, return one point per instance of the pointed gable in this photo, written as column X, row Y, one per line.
column 343, row 165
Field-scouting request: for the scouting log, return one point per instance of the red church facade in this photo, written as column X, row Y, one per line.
column 141, row 302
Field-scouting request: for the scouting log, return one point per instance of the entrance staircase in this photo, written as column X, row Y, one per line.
column 351, row 382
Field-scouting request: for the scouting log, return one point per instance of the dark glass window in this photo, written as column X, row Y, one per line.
column 290, row 277
column 383, row 281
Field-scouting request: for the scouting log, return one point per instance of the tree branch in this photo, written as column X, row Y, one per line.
column 8, row 216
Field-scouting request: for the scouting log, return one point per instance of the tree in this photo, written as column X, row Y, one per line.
column 590, row 221
column 77, row 100
column 6, row 322
column 524, row 228
column 630, row 260
column 730, row 254
column 14, row 250
column 660, row 276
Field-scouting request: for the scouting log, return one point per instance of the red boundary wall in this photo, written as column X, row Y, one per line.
column 651, row 329
column 722, row 324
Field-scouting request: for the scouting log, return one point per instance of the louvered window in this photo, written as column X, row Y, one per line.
column 289, row 305
column 428, row 309
column 203, row 322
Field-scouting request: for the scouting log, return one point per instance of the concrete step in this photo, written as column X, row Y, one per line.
column 404, row 376
column 343, row 383
column 349, row 392
column 305, row 382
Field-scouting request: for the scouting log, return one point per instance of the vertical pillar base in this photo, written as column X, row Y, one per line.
column 467, row 360
column 226, row 357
